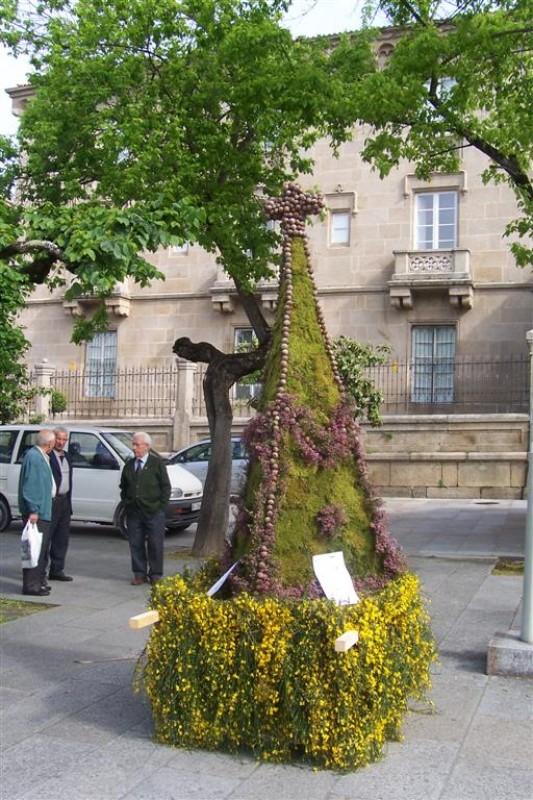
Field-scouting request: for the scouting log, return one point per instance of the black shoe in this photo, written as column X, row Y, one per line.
column 60, row 576
column 36, row 592
column 46, row 588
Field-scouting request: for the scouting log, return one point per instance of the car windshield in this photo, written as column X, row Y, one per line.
column 122, row 442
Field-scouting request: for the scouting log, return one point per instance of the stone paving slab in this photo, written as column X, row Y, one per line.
column 71, row 725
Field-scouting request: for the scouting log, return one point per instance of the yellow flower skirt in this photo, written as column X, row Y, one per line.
column 262, row 675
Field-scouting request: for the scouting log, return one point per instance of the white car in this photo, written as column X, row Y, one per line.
column 98, row 456
column 195, row 459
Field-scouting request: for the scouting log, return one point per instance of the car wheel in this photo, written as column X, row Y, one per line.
column 121, row 523
column 5, row 514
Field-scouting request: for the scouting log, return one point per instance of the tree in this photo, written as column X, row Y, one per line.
column 222, row 372
column 158, row 123
column 460, row 75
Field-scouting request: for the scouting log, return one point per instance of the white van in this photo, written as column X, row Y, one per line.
column 98, row 456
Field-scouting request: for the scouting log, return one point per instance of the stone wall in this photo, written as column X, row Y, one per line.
column 442, row 456
column 446, row 456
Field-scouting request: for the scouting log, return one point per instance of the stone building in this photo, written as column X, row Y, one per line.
column 422, row 266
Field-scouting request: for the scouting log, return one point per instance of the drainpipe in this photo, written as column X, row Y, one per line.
column 527, row 602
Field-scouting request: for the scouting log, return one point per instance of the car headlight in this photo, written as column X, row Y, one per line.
column 176, row 493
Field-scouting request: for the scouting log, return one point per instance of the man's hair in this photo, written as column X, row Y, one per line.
column 60, row 429
column 142, row 436
column 45, row 437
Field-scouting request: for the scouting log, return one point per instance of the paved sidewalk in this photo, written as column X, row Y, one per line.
column 72, row 727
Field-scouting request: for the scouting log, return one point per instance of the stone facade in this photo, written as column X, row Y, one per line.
column 376, row 287
column 366, row 290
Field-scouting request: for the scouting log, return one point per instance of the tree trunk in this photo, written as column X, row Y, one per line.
column 214, row 514
column 223, row 371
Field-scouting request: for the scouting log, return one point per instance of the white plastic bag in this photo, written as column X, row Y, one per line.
column 30, row 545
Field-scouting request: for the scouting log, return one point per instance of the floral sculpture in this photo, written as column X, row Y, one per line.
column 254, row 667
column 308, row 490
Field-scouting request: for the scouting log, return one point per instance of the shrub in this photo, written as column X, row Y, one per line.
column 261, row 674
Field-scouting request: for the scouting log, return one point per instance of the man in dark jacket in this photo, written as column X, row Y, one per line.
column 61, row 464
column 145, row 492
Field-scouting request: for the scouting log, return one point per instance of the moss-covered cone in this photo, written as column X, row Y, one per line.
column 307, row 491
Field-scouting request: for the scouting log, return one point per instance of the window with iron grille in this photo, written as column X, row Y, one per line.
column 435, row 221
column 433, row 363
column 101, row 365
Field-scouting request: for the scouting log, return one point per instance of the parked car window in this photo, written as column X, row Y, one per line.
column 239, row 450
column 122, row 442
column 199, row 452
column 7, row 442
column 104, row 459
column 29, row 438
column 83, row 447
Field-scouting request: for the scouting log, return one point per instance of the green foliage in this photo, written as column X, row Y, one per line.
column 58, row 402
column 308, row 490
column 166, row 118
column 353, row 358
column 199, row 102
column 9, row 166
column 308, row 487
column 15, row 387
column 460, row 75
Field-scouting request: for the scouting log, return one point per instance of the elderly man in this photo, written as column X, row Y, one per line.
column 36, row 489
column 145, row 492
column 61, row 464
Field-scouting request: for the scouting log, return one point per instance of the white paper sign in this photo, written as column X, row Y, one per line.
column 334, row 578
column 216, row 586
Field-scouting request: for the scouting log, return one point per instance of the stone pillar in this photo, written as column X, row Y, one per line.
column 43, row 375
column 184, row 404
column 527, row 599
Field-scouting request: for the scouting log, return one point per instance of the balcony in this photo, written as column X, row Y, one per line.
column 431, row 271
column 224, row 295
column 118, row 303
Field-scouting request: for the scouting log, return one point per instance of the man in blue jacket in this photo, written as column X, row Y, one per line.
column 36, row 488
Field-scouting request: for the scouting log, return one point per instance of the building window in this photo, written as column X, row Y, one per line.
column 435, row 221
column 384, row 53
column 339, row 228
column 244, row 341
column 101, row 365
column 180, row 249
column 433, row 363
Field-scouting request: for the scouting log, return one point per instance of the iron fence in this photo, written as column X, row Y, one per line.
column 131, row 392
column 460, row 386
column 240, row 400
column 453, row 386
